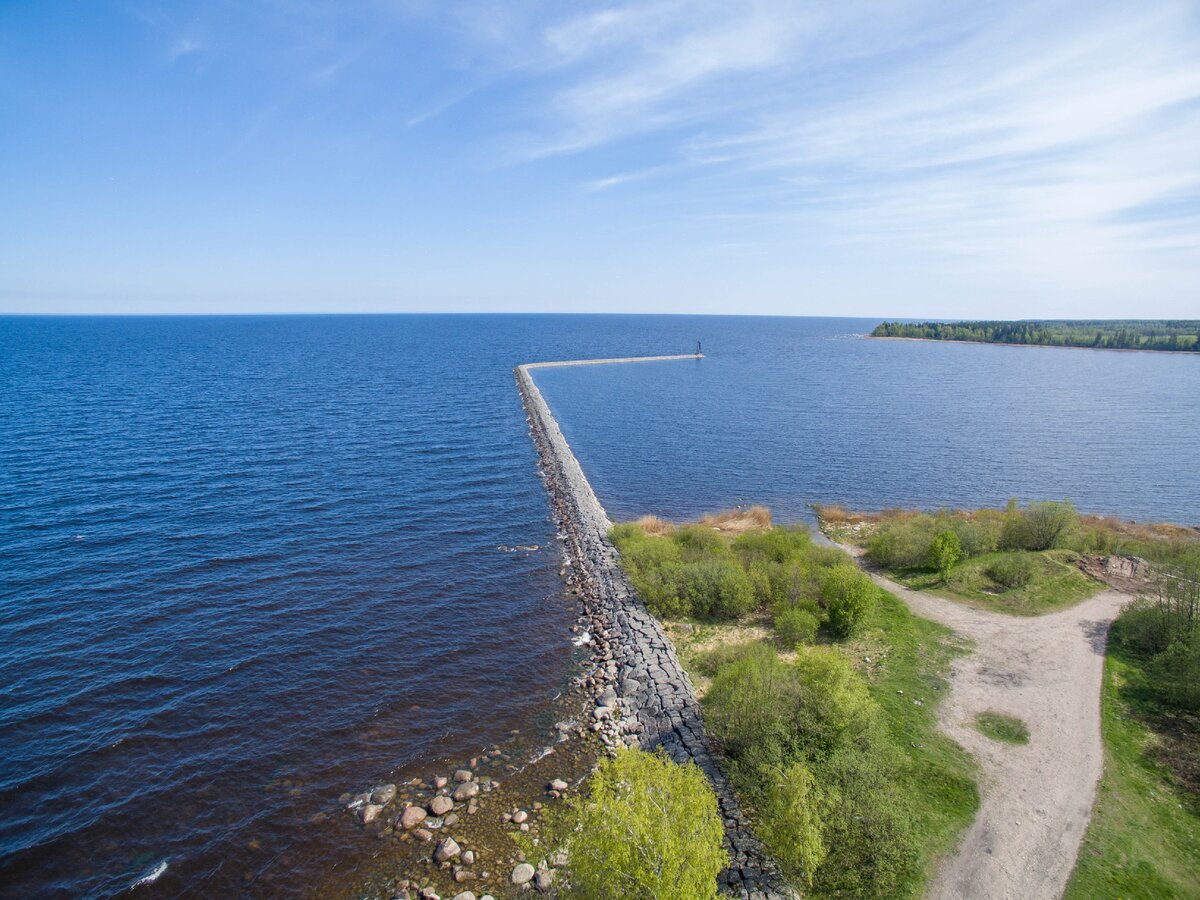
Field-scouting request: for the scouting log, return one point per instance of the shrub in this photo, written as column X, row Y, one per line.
column 833, row 707
column 1012, row 570
column 750, row 705
column 872, row 845
column 778, row 545
column 945, row 551
column 847, row 595
column 1175, row 673
column 1040, row 526
column 791, row 822
column 978, row 535
column 796, row 625
column 698, row 542
column 717, row 588
column 902, row 543
column 647, row 828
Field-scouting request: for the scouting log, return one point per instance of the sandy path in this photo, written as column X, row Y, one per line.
column 1036, row 798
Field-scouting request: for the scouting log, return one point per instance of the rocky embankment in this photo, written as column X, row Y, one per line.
column 643, row 697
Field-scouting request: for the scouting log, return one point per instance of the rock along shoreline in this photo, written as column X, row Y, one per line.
column 643, row 696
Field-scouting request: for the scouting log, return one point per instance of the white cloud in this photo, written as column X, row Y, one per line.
column 1040, row 137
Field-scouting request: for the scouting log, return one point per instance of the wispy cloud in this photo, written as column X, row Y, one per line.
column 1014, row 132
column 184, row 46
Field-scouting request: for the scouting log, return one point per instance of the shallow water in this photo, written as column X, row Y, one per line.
column 251, row 563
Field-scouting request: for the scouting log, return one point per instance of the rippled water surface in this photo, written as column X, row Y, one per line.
column 251, row 563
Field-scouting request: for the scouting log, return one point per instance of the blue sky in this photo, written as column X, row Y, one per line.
column 1002, row 159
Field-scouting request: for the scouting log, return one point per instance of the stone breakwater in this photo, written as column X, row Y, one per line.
column 643, row 696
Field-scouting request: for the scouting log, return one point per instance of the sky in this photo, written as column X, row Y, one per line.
column 883, row 158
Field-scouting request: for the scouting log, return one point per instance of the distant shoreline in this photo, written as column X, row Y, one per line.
column 930, row 340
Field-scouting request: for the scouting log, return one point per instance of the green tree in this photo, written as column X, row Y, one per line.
column 945, row 552
column 647, row 828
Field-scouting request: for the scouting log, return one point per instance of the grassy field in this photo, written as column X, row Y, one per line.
column 1144, row 837
column 1000, row 727
column 1056, row 583
column 905, row 660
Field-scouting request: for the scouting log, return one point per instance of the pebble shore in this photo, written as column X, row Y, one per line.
column 643, row 697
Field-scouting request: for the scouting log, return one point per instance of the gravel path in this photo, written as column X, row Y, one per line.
column 1036, row 798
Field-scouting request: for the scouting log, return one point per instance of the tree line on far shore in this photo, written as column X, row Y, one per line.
column 1177, row 335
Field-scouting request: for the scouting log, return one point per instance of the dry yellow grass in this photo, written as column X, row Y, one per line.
column 738, row 521
column 655, row 527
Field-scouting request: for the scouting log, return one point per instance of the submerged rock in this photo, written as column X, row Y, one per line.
column 441, row 805
column 463, row 775
column 383, row 794
column 465, row 791
column 370, row 813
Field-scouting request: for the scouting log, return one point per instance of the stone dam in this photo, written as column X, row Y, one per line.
column 644, row 697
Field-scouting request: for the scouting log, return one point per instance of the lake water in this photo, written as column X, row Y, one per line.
column 252, row 563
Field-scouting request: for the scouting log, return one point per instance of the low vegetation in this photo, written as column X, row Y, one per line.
column 999, row 727
column 1016, row 560
column 1178, row 335
column 1144, row 837
column 822, row 692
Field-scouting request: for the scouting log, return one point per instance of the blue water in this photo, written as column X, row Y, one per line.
column 251, row 563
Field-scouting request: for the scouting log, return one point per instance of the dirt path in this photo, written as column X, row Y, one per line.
column 1037, row 797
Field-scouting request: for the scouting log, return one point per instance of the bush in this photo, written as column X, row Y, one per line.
column 945, row 551
column 1175, row 673
column 847, row 595
column 750, row 706
column 1040, row 526
column 978, row 535
column 647, row 828
column 1012, row 570
column 777, row 545
column 902, row 543
column 872, row 845
column 833, row 707
column 796, row 625
column 717, row 588
column 791, row 823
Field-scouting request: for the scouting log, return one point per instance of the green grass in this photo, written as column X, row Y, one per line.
column 999, row 727
column 1144, row 837
column 1056, row 584
column 909, row 663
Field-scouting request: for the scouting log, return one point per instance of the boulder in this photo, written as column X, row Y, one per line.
column 558, row 785
column 465, row 791
column 543, row 881
column 523, row 874
column 447, row 850
column 463, row 775
column 465, row 895
column 441, row 805
column 520, row 816
column 412, row 817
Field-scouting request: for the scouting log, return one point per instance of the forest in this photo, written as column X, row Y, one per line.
column 1179, row 335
